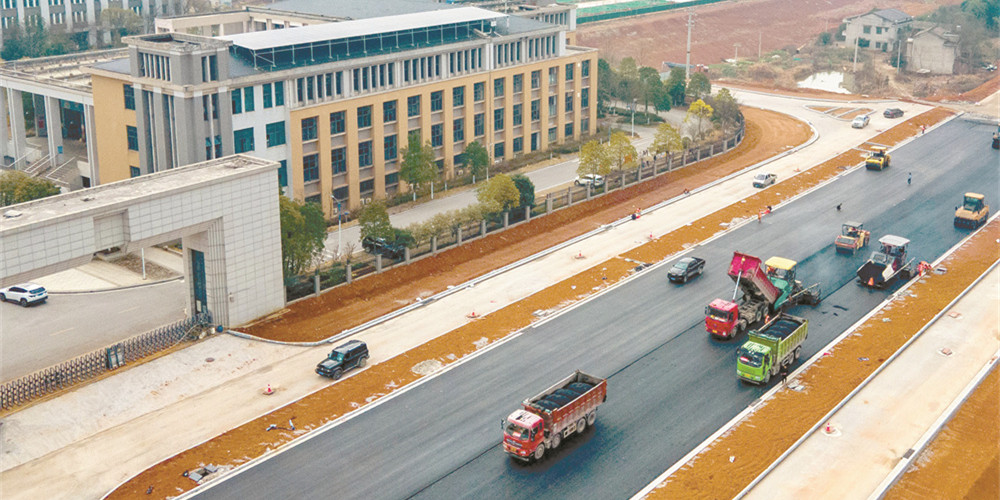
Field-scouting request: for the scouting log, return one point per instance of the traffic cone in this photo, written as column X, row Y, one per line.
column 579, row 256
column 829, row 428
column 268, row 391
column 472, row 315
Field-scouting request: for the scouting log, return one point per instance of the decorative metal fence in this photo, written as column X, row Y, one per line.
column 333, row 274
column 69, row 373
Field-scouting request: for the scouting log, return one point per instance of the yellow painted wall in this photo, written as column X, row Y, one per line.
column 448, row 114
column 110, row 118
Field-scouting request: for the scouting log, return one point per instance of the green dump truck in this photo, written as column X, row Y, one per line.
column 777, row 344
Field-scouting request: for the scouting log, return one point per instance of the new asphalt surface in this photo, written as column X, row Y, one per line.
column 670, row 386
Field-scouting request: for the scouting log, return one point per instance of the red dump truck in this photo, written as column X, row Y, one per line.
column 555, row 414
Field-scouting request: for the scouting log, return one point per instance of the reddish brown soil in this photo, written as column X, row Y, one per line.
column 977, row 94
column 251, row 440
column 771, row 24
column 768, row 133
column 962, row 461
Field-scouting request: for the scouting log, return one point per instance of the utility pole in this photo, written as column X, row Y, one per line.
column 736, row 58
column 687, row 62
column 899, row 51
column 857, row 41
column 760, row 40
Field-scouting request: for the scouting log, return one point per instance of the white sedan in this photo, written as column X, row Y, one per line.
column 24, row 294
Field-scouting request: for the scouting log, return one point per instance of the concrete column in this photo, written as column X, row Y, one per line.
column 459, row 243
column 349, row 272
column 527, row 214
column 160, row 134
column 406, row 255
column 482, row 225
column 506, row 221
column 142, row 120
column 316, row 284
column 188, row 123
column 53, row 129
column 711, row 150
column 548, row 204
column 17, row 132
column 623, row 179
column 697, row 154
column 91, row 138
column 670, row 161
column 378, row 263
column 4, row 132
column 434, row 245
column 569, row 196
column 44, row 9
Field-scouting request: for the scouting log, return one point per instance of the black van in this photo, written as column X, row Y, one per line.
column 353, row 354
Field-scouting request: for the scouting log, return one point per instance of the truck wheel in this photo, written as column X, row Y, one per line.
column 581, row 425
column 591, row 417
column 539, row 452
column 798, row 351
column 556, row 440
column 337, row 374
column 767, row 377
column 363, row 361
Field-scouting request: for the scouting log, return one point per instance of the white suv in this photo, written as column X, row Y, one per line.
column 24, row 294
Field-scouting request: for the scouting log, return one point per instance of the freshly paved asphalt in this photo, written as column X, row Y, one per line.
column 669, row 387
column 69, row 325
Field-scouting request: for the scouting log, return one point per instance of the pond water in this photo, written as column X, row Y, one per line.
column 829, row 81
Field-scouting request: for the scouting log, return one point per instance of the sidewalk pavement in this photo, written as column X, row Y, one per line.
column 100, row 275
column 873, row 431
column 146, row 414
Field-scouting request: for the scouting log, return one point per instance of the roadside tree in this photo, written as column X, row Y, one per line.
column 622, row 152
column 19, row 187
column 676, row 86
column 699, row 112
column 594, row 159
column 477, row 159
column 417, row 166
column 374, row 221
column 303, row 231
column 725, row 110
column 667, row 139
column 526, row 190
column 120, row 22
column 699, row 87
column 498, row 194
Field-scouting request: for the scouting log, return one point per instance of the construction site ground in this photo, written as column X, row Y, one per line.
column 465, row 336
column 116, row 434
column 745, row 450
column 753, row 25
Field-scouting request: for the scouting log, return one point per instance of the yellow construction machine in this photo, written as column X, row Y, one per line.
column 973, row 213
column 878, row 158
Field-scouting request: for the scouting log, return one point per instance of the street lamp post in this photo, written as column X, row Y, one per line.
column 634, row 101
column 339, row 212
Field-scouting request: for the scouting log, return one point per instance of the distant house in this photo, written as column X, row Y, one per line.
column 932, row 50
column 876, row 30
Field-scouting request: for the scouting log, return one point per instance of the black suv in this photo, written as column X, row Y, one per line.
column 353, row 354
column 380, row 246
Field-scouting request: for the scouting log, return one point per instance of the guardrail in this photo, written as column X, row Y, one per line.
column 69, row 373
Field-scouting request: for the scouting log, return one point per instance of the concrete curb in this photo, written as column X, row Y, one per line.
column 913, row 453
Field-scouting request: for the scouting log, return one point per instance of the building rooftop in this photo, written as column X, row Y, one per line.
column 259, row 40
column 66, row 71
column 355, row 9
column 126, row 191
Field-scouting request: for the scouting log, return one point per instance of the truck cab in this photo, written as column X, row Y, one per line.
column 781, row 272
column 721, row 317
column 754, row 361
column 523, row 431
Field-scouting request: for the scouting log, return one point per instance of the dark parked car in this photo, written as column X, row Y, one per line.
column 353, row 354
column 685, row 269
column 893, row 113
column 395, row 249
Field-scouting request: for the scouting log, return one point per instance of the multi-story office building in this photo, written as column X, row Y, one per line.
column 75, row 16
column 334, row 102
